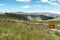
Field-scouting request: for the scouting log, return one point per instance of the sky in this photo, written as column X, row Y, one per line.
column 30, row 6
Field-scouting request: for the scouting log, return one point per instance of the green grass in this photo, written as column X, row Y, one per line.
column 4, row 16
column 16, row 31
column 56, row 21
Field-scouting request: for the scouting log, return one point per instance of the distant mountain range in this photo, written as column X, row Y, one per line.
column 41, row 15
column 45, row 13
column 37, row 13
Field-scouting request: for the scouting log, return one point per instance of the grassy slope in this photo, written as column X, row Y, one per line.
column 56, row 20
column 9, row 31
column 4, row 16
column 18, row 31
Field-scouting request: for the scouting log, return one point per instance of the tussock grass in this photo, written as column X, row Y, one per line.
column 16, row 31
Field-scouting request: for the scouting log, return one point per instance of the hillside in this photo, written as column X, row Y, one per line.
column 56, row 20
column 10, row 31
column 28, row 16
column 12, row 28
column 4, row 16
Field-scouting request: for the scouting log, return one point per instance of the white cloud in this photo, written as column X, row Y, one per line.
column 23, row 0
column 1, row 4
column 7, row 10
column 44, row 0
column 57, row 12
column 54, row 3
column 51, row 2
column 53, row 11
column 32, row 11
column 26, row 6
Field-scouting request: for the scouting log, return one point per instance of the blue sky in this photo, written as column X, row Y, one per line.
column 30, row 6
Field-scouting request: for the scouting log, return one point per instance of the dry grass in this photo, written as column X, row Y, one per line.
column 16, row 31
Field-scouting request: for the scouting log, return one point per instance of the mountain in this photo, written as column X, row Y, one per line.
column 27, row 16
column 56, row 19
column 55, row 15
column 47, row 14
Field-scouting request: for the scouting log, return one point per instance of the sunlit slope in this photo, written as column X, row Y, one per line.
column 19, row 31
column 55, row 20
column 36, row 19
column 13, row 31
